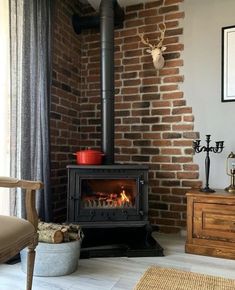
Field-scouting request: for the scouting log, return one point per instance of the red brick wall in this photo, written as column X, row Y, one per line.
column 65, row 100
column 153, row 123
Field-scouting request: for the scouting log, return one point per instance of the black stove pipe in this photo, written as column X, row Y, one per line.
column 107, row 79
column 93, row 21
column 110, row 15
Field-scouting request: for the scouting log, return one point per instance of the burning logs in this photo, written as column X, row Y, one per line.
column 108, row 200
column 58, row 233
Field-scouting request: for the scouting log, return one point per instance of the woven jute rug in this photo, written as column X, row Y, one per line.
column 156, row 278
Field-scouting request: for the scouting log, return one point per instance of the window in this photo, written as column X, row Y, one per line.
column 4, row 103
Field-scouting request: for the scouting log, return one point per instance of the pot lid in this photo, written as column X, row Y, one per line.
column 89, row 150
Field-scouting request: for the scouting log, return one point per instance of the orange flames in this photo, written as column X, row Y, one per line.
column 124, row 198
column 106, row 200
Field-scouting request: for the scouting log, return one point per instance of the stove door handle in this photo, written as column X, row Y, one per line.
column 141, row 192
column 92, row 213
column 142, row 181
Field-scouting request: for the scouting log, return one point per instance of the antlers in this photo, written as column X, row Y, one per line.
column 141, row 35
column 161, row 38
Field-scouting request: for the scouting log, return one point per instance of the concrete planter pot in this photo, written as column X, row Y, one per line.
column 54, row 259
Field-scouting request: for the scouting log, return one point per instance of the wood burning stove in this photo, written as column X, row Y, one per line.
column 107, row 193
column 110, row 202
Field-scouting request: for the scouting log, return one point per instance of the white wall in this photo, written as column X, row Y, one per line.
column 202, row 86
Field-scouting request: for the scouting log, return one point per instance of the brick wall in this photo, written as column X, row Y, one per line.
column 65, row 100
column 153, row 123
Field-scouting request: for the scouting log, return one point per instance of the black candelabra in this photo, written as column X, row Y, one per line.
column 219, row 146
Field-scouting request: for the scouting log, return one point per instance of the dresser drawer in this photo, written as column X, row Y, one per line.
column 211, row 224
column 214, row 221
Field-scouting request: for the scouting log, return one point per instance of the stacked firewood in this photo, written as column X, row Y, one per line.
column 58, row 233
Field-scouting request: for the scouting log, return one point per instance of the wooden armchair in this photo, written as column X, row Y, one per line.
column 17, row 233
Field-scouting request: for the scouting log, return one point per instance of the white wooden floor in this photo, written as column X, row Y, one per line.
column 120, row 273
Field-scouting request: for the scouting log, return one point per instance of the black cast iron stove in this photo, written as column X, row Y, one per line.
column 110, row 202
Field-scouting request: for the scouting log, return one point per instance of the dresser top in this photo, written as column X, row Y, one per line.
column 218, row 193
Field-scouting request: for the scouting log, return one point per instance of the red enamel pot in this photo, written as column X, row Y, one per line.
column 89, row 157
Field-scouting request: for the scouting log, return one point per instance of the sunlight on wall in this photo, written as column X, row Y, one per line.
column 4, row 103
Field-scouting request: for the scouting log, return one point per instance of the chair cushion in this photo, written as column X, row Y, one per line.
column 13, row 231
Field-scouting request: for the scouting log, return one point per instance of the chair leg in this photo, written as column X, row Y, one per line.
column 30, row 266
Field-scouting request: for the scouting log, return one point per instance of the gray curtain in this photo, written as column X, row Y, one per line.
column 30, row 38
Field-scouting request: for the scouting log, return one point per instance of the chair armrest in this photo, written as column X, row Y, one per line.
column 25, row 184
column 30, row 187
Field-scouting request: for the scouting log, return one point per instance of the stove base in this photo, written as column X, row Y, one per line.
column 117, row 240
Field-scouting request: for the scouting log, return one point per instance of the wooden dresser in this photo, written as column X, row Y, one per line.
column 211, row 224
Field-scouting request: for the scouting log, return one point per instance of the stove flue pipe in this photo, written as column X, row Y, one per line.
column 110, row 15
column 93, row 21
column 107, row 79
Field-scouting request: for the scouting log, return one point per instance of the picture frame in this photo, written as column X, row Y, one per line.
column 228, row 64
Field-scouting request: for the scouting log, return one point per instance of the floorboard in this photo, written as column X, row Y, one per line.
column 120, row 273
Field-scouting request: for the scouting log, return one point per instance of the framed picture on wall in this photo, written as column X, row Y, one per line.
column 228, row 64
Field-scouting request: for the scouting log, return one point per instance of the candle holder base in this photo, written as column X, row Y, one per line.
column 207, row 189
column 230, row 189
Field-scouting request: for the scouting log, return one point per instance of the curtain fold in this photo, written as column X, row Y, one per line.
column 30, row 41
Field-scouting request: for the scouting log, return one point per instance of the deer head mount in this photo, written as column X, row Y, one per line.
column 156, row 50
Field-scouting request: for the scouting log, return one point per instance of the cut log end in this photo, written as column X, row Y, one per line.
column 51, row 236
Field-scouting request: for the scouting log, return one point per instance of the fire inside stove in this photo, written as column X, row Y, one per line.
column 110, row 193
